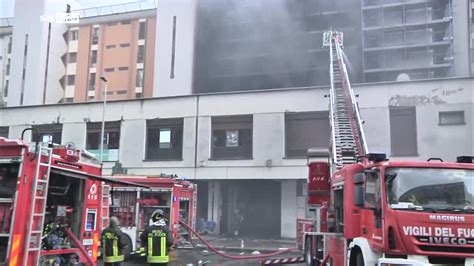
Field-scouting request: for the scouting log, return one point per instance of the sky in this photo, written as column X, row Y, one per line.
column 7, row 6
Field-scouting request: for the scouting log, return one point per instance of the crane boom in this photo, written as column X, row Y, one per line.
column 347, row 133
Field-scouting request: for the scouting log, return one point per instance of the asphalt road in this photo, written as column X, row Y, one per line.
column 191, row 257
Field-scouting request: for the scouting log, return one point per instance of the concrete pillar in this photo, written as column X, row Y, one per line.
column 288, row 208
column 132, row 141
column 461, row 37
column 215, row 204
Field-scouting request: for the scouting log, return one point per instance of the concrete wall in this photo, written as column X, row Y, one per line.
column 461, row 37
column 292, row 206
column 178, row 83
column 268, row 110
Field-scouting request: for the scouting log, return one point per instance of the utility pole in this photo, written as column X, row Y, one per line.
column 102, row 132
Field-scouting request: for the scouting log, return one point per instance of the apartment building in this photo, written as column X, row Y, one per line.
column 119, row 47
column 6, row 40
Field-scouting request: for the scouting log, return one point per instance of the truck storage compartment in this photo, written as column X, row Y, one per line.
column 8, row 181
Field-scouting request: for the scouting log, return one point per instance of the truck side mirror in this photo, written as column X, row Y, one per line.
column 359, row 190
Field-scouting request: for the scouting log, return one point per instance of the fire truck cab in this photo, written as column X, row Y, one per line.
column 134, row 205
column 390, row 213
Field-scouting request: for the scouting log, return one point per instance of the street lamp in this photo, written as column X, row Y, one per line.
column 106, row 85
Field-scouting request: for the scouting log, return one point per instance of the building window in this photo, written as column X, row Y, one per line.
column 94, row 59
column 139, row 78
column 92, row 81
column 90, row 98
column 109, row 69
column 5, row 90
column 71, row 80
column 7, row 70
column 112, row 23
column 141, row 54
column 74, row 35
column 306, row 130
column 49, row 133
column 403, row 131
column 4, row 132
column 122, row 68
column 122, row 92
column 138, row 95
column 164, row 139
column 126, row 22
column 69, row 100
column 124, row 45
column 232, row 137
column 452, row 118
column 142, row 30
column 111, row 140
column 95, row 35
column 10, row 41
column 110, row 46
column 72, row 57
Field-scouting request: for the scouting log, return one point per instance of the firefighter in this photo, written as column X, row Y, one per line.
column 113, row 244
column 157, row 239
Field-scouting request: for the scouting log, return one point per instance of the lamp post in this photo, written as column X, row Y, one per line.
column 102, row 132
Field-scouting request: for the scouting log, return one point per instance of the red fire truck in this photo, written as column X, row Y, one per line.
column 53, row 204
column 134, row 205
column 372, row 211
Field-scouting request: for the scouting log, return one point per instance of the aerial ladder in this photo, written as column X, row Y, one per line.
column 348, row 142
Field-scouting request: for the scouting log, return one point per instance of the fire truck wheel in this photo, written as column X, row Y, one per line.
column 359, row 259
column 307, row 253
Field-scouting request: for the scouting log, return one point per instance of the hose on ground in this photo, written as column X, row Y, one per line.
column 220, row 253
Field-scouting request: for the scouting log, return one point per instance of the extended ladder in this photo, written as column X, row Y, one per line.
column 347, row 134
column 38, row 205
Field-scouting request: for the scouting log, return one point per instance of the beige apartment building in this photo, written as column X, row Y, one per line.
column 117, row 47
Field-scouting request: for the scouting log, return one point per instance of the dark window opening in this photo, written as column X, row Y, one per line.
column 109, row 69
column 124, row 45
column 69, row 100
column 306, row 130
column 126, row 22
column 49, row 133
column 123, row 68
column 94, row 59
column 110, row 46
column 95, row 35
column 74, row 35
column 7, row 70
column 92, row 81
column 141, row 54
column 72, row 57
column 122, row 92
column 232, row 137
column 403, row 135
column 139, row 78
column 164, row 139
column 5, row 89
column 111, row 140
column 4, row 132
column 452, row 118
column 10, row 41
column 112, row 24
column 71, row 80
column 142, row 30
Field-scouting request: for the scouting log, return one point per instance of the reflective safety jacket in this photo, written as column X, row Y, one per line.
column 113, row 245
column 157, row 240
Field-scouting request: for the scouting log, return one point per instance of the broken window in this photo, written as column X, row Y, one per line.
column 305, row 130
column 232, row 137
column 111, row 140
column 164, row 139
column 49, row 133
column 4, row 132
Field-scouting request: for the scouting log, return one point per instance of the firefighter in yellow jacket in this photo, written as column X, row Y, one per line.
column 113, row 244
column 157, row 239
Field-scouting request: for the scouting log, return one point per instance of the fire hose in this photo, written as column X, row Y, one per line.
column 220, row 253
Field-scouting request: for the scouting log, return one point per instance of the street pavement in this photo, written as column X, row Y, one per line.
column 231, row 246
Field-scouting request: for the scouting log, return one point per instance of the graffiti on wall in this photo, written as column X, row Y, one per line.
column 436, row 96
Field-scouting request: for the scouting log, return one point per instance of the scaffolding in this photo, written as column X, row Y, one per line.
column 407, row 39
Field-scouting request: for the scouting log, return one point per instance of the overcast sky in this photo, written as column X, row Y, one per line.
column 7, row 6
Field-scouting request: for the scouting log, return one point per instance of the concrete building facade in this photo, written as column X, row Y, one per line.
column 6, row 39
column 246, row 150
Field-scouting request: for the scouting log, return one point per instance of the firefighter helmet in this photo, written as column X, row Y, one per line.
column 157, row 215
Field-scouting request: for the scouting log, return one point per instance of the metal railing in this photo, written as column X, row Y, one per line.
column 116, row 9
column 6, row 22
